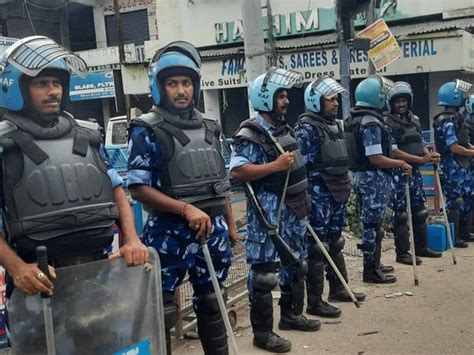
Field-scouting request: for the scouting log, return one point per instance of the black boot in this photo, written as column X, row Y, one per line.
column 291, row 307
column 464, row 228
column 420, row 232
column 406, row 259
column 261, row 309
column 385, row 269
column 315, row 285
column 337, row 292
column 372, row 272
column 271, row 342
column 454, row 217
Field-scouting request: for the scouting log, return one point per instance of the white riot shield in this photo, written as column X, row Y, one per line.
column 102, row 307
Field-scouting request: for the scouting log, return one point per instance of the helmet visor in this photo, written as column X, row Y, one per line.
column 285, row 79
column 387, row 84
column 328, row 88
column 32, row 54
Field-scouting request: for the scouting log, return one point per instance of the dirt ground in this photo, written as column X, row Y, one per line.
column 437, row 319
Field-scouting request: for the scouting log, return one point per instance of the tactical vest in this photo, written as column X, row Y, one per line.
column 55, row 183
column 359, row 119
column 193, row 169
column 408, row 132
column 296, row 196
column 470, row 126
column 332, row 160
column 462, row 133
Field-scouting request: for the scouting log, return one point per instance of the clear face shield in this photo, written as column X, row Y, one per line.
column 181, row 47
column 328, row 88
column 285, row 79
column 31, row 55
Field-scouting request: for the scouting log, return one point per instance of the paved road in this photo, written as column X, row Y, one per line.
column 437, row 319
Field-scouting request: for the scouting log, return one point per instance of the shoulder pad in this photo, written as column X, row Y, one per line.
column 148, row 119
column 368, row 120
column 199, row 114
column 247, row 133
column 6, row 127
column 89, row 125
column 416, row 120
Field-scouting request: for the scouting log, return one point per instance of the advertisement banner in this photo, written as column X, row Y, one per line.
column 97, row 85
column 384, row 48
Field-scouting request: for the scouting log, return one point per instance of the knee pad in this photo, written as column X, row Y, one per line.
column 207, row 302
column 457, row 203
column 401, row 219
column 265, row 276
column 419, row 214
column 314, row 252
column 170, row 310
column 337, row 245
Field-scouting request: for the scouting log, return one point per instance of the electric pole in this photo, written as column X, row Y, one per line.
column 371, row 20
column 272, row 52
column 344, row 65
column 121, row 48
column 254, row 47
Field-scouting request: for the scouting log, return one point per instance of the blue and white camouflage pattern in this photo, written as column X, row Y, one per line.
column 327, row 215
column 259, row 246
column 175, row 242
column 373, row 191
column 458, row 180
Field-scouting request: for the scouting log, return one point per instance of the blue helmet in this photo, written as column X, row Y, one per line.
column 469, row 104
column 372, row 92
column 325, row 87
column 31, row 57
column 176, row 58
column 265, row 87
column 398, row 90
column 450, row 94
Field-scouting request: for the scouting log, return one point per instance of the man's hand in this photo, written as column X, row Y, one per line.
column 198, row 220
column 134, row 252
column 284, row 161
column 234, row 237
column 29, row 279
column 433, row 157
column 407, row 169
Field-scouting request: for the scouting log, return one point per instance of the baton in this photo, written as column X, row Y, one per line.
column 331, row 262
column 217, row 291
column 410, row 229
column 445, row 215
column 42, row 257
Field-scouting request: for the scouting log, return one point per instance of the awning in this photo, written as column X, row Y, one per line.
column 399, row 31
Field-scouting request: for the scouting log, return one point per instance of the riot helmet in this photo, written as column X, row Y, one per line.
column 176, row 58
column 318, row 90
column 451, row 94
column 31, row 57
column 398, row 90
column 372, row 92
column 469, row 104
column 266, row 87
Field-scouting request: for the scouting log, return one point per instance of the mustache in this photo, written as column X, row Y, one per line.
column 52, row 100
column 180, row 97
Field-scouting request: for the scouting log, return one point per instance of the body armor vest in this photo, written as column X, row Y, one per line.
column 296, row 196
column 408, row 132
column 55, row 183
column 462, row 133
column 332, row 161
column 193, row 169
column 362, row 118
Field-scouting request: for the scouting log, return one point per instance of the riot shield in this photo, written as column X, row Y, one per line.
column 102, row 307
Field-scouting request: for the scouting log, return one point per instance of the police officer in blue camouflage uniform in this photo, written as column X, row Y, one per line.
column 258, row 161
column 469, row 118
column 58, row 188
column 177, row 171
column 405, row 128
column 370, row 147
column 321, row 140
column 452, row 141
